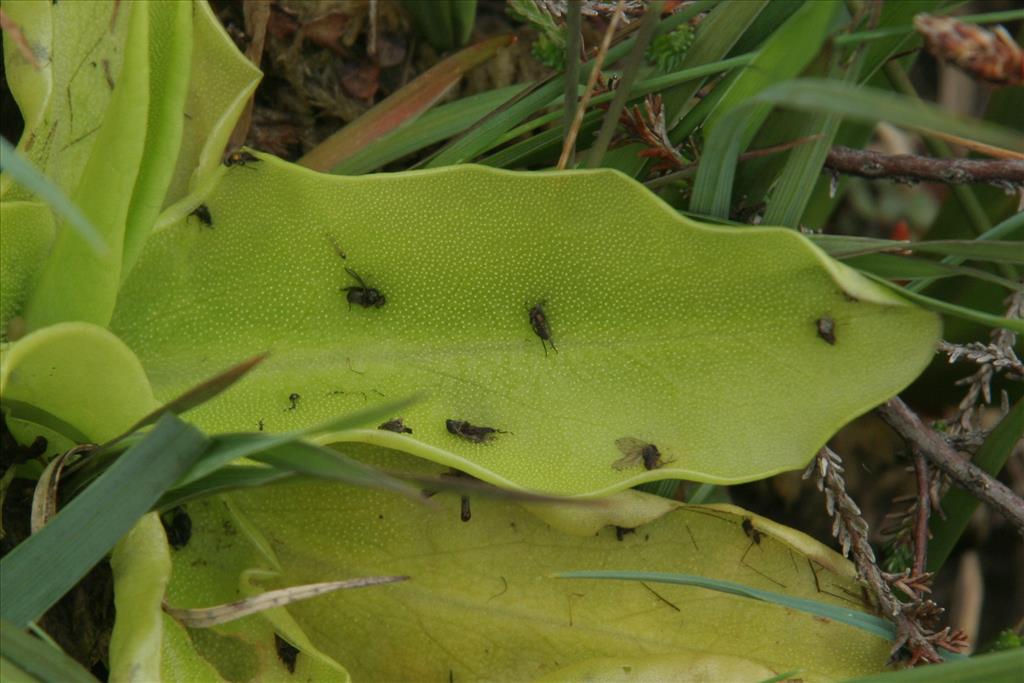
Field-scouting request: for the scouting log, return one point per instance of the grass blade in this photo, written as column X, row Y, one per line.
column 487, row 131
column 35, row 182
column 786, row 52
column 321, row 462
column 717, row 34
column 894, row 267
column 1007, row 228
column 629, row 74
column 989, row 668
column 958, row 504
column 952, row 309
column 227, row 448
column 38, row 659
column 47, row 565
column 861, row 620
column 401, row 107
column 712, row 190
column 843, row 246
column 227, row 478
column 435, row 125
column 197, row 395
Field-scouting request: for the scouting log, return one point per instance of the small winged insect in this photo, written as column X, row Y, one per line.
column 396, row 425
column 239, row 158
column 360, row 294
column 465, row 513
column 635, row 450
column 752, row 533
column 539, row 323
column 294, row 400
column 826, row 329
column 471, row 432
column 202, row 212
column 178, row 528
column 286, row 652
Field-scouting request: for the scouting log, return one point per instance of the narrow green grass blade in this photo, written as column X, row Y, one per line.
column 796, row 181
column 842, row 246
column 1006, row 229
column 437, row 124
column 326, row 463
column 226, row 448
column 999, row 667
column 38, row 659
column 861, row 620
column 890, row 31
column 629, row 73
column 199, row 394
column 712, row 190
column 958, row 504
column 717, row 34
column 639, row 89
column 48, row 564
column 952, row 309
column 36, row 183
column 790, row 48
column 401, row 107
column 227, row 478
column 526, row 151
column 482, row 136
column 895, row 267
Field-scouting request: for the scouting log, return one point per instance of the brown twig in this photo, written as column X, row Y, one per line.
column 690, row 170
column 850, row 528
column 923, row 510
column 577, row 121
column 909, row 168
column 965, row 473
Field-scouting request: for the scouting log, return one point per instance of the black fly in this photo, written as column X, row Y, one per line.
column 294, row 400
column 752, row 533
column 286, row 652
column 178, row 528
column 539, row 323
column 826, row 329
column 396, row 425
column 360, row 294
column 634, row 450
column 471, row 432
column 202, row 212
column 239, row 158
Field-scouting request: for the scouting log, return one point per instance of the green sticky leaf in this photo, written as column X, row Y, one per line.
column 676, row 315
column 220, row 83
column 496, row 571
column 26, row 232
column 78, row 374
column 141, row 565
column 33, row 181
column 76, row 283
column 65, row 96
column 170, row 53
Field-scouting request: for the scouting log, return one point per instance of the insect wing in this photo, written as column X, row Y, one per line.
column 632, row 450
